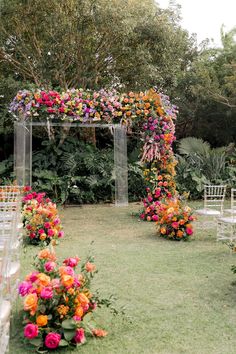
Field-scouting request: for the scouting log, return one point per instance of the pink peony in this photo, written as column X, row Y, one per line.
column 33, row 276
column 47, row 225
column 31, row 331
column 46, row 293
column 52, row 340
column 79, row 336
column 49, row 266
column 71, row 262
column 24, row 288
column 150, row 199
column 60, row 234
column 175, row 225
column 76, row 318
column 56, row 283
column 189, row 231
column 41, row 231
column 155, row 218
column 50, row 232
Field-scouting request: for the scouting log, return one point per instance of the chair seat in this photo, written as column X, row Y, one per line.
column 5, row 311
column 232, row 211
column 14, row 268
column 208, row 212
column 228, row 219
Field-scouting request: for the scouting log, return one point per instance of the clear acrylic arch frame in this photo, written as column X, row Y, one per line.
column 23, row 154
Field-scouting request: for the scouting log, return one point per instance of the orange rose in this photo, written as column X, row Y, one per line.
column 163, row 230
column 82, row 299
column 43, row 279
column 67, row 280
column 180, row 233
column 46, row 254
column 90, row 267
column 42, row 320
column 99, row 332
column 31, row 303
column 79, row 311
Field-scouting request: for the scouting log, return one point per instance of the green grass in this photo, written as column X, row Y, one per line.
column 179, row 295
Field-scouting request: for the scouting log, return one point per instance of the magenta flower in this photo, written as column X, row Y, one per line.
column 31, row 331
column 24, row 288
column 79, row 336
column 46, row 293
column 49, row 266
column 52, row 340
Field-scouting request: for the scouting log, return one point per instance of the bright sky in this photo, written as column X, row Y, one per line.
column 205, row 17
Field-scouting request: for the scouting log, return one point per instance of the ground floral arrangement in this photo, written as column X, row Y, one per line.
column 40, row 218
column 151, row 113
column 57, row 298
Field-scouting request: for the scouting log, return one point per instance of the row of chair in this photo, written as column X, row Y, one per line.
column 10, row 242
column 214, row 209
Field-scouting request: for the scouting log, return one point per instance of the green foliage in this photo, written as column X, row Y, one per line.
column 200, row 164
column 76, row 172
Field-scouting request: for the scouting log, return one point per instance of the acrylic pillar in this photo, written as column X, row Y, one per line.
column 23, row 153
column 120, row 166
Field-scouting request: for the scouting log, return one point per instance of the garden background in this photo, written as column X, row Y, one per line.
column 127, row 46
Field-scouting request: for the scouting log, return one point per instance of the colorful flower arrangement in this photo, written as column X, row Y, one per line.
column 175, row 220
column 40, row 218
column 151, row 112
column 56, row 301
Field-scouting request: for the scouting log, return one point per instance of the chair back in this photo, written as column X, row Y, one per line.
column 214, row 196
column 233, row 200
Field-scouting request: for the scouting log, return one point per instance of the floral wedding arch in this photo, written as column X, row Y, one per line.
column 150, row 112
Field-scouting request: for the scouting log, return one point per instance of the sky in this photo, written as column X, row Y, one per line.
column 205, row 17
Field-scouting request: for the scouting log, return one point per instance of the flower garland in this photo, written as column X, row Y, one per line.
column 56, row 301
column 40, row 218
column 151, row 112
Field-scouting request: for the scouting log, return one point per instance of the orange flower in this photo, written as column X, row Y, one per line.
column 82, row 299
column 43, row 279
column 46, row 254
column 67, row 280
column 31, row 303
column 42, row 320
column 163, row 230
column 180, row 233
column 79, row 311
column 159, row 178
column 63, row 310
column 182, row 222
column 99, row 332
column 90, row 267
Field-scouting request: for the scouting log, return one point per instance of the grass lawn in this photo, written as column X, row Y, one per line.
column 179, row 295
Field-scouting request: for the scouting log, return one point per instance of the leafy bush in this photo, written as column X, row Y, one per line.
column 199, row 164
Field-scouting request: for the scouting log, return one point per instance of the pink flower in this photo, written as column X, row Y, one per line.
column 41, row 231
column 47, row 225
column 49, row 266
column 24, row 288
column 142, row 216
column 56, row 221
column 31, row 331
column 154, row 217
column 60, row 234
column 52, row 340
column 149, row 198
column 33, row 276
column 71, row 262
column 32, row 235
column 79, row 336
column 56, row 283
column 191, row 218
column 46, row 293
column 189, row 231
column 50, row 232
column 76, row 318
column 175, row 225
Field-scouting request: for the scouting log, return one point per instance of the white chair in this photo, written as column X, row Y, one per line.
column 232, row 209
column 226, row 228
column 213, row 201
column 5, row 305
